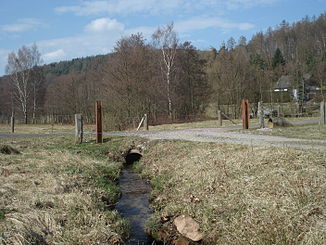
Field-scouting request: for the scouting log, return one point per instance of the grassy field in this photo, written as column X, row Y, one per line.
column 214, row 123
column 69, row 128
column 57, row 192
column 238, row 194
column 44, row 128
column 314, row 131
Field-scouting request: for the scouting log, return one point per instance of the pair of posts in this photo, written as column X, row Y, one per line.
column 98, row 119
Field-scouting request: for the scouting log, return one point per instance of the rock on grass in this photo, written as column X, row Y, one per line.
column 188, row 227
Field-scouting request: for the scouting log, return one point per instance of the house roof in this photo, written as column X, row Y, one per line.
column 284, row 82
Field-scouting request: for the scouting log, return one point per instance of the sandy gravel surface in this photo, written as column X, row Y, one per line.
column 225, row 136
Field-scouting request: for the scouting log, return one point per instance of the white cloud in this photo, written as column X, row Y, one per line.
column 22, row 25
column 81, row 45
column 104, row 24
column 200, row 23
column 119, row 6
column 99, row 37
column 235, row 4
column 124, row 7
column 147, row 31
column 101, row 34
column 53, row 56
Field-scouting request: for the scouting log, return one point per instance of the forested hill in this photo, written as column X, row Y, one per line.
column 76, row 65
column 133, row 80
column 84, row 64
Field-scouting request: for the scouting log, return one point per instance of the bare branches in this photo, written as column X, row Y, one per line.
column 165, row 39
column 21, row 67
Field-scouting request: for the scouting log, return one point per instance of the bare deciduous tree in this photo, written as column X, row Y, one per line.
column 22, row 68
column 165, row 39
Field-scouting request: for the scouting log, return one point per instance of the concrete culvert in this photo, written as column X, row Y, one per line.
column 132, row 156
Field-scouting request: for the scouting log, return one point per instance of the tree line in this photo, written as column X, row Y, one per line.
column 164, row 78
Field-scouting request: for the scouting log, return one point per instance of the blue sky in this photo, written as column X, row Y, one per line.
column 66, row 29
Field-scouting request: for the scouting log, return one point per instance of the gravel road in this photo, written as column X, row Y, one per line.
column 223, row 135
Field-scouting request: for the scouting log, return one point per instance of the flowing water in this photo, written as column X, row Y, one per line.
column 134, row 205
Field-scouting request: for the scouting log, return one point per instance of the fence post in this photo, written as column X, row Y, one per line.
column 79, row 128
column 12, row 124
column 245, row 114
column 278, row 111
column 219, row 114
column 323, row 113
column 98, row 115
column 261, row 114
column 146, row 122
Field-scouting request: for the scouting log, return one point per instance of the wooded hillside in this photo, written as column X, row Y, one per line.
column 170, row 80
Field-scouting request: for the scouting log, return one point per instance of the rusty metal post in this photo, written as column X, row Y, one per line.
column 245, row 114
column 98, row 116
column 79, row 128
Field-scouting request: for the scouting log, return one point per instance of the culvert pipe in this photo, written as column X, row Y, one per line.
column 134, row 155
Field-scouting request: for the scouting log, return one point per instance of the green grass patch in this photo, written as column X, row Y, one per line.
column 2, row 214
column 62, row 192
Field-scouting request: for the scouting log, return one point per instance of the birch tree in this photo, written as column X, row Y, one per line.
column 165, row 39
column 21, row 68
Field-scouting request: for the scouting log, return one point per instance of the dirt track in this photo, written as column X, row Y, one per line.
column 225, row 136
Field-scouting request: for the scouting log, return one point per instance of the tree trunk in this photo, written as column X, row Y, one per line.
column 34, row 105
column 25, row 117
column 169, row 103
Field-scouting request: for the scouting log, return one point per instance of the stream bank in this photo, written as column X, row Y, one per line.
column 134, row 203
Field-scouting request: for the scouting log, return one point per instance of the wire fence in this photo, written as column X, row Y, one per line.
column 292, row 110
column 122, row 122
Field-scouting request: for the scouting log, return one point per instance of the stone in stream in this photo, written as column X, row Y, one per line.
column 188, row 227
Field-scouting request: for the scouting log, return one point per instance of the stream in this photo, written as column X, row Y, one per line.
column 134, row 205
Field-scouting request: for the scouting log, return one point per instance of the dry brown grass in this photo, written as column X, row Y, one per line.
column 43, row 128
column 215, row 123
column 240, row 194
column 50, row 194
column 69, row 128
column 314, row 131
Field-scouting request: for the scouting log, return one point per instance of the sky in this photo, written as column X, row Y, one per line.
column 67, row 29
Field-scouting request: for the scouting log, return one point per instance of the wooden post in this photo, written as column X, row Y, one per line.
column 12, row 123
column 219, row 114
column 245, row 114
column 98, row 115
column 323, row 113
column 261, row 114
column 141, row 122
column 145, row 122
column 79, row 128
